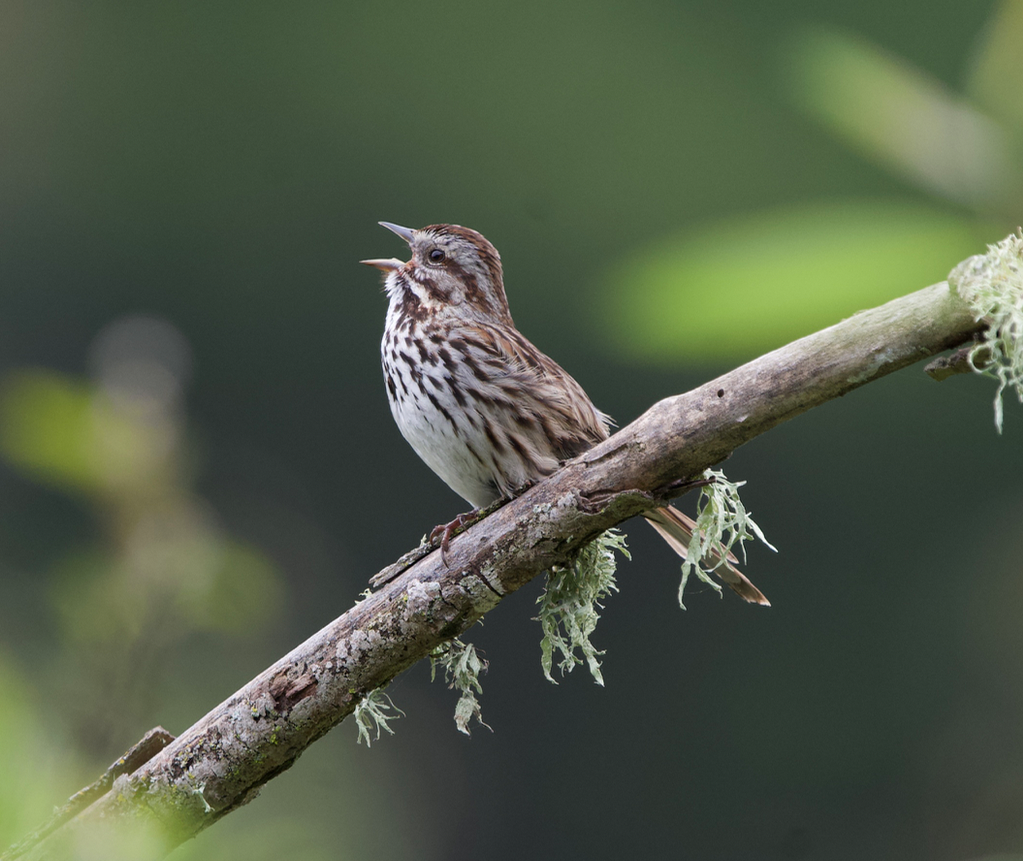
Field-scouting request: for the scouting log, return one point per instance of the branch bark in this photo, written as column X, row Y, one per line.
column 220, row 762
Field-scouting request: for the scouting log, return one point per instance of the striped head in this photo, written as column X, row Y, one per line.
column 454, row 271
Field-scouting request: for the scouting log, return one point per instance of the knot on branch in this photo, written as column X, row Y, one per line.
column 285, row 691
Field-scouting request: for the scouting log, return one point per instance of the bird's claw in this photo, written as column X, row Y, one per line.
column 444, row 532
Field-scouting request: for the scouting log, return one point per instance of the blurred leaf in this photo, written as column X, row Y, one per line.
column 756, row 283
column 44, row 428
column 997, row 73
column 67, row 433
column 137, row 840
column 898, row 115
column 33, row 774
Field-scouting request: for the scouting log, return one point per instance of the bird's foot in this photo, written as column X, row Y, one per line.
column 444, row 532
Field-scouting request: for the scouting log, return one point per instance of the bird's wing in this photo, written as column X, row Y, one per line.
column 540, row 391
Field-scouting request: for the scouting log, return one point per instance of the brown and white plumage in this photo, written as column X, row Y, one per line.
column 485, row 409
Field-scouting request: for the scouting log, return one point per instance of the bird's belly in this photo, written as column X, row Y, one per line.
column 448, row 442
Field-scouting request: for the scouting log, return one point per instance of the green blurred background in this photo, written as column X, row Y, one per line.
column 199, row 468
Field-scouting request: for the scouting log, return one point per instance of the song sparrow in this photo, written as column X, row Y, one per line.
column 484, row 408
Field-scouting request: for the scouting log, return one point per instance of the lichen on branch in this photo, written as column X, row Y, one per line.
column 568, row 606
column 462, row 668
column 722, row 521
column 373, row 712
column 992, row 285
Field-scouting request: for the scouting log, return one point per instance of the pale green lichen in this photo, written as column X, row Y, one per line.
column 722, row 521
column 462, row 668
column 200, row 790
column 568, row 607
column 373, row 712
column 992, row 284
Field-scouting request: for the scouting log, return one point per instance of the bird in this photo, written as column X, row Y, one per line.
column 483, row 407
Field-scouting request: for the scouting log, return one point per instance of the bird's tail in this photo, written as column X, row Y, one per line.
column 677, row 529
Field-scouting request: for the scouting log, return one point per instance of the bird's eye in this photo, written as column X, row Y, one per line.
column 437, row 255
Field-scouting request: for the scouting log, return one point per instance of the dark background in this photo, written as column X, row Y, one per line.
column 200, row 470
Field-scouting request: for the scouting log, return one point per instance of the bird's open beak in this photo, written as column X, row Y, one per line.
column 405, row 233
column 391, row 264
column 385, row 264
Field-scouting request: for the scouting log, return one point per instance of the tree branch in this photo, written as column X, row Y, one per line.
column 219, row 763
